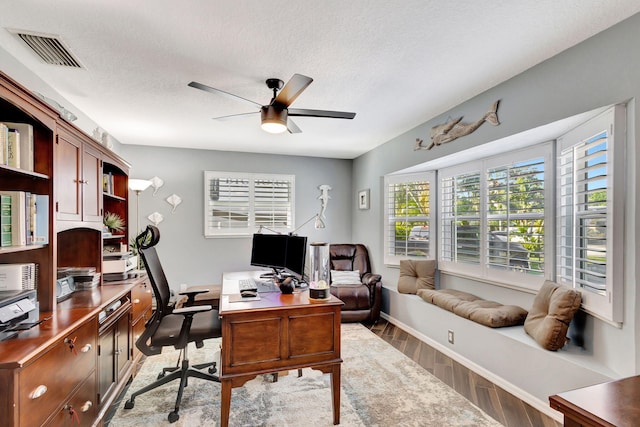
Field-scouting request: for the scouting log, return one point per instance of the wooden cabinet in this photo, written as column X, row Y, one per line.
column 141, row 300
column 115, row 353
column 78, row 179
column 52, row 374
column 46, row 384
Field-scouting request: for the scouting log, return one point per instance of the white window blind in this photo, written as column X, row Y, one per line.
column 515, row 216
column 460, row 224
column 494, row 214
column 237, row 203
column 409, row 201
column 590, row 209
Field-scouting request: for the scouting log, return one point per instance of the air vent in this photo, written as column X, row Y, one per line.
column 50, row 49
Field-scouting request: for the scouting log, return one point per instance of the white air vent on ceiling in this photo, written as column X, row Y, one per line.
column 49, row 48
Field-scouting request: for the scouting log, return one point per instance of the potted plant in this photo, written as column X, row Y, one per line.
column 113, row 222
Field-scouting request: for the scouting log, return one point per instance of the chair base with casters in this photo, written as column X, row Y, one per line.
column 183, row 373
column 171, row 326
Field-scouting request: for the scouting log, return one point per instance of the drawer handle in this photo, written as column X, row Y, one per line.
column 87, row 405
column 38, row 391
column 86, row 348
column 136, row 301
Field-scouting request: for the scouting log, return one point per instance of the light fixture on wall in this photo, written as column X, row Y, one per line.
column 138, row 186
column 273, row 120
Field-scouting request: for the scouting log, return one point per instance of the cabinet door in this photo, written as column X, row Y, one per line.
column 78, row 180
column 68, row 177
column 124, row 351
column 91, row 185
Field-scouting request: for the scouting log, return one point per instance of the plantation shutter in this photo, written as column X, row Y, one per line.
column 460, row 226
column 409, row 213
column 237, row 203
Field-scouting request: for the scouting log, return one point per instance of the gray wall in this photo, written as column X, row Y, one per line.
column 189, row 257
column 601, row 71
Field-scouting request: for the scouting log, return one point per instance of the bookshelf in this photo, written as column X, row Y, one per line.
column 68, row 167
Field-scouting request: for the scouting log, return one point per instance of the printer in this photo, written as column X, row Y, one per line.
column 17, row 307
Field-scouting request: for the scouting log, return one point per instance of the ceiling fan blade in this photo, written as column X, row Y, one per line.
column 320, row 113
column 291, row 90
column 234, row 115
column 292, row 127
column 221, row 92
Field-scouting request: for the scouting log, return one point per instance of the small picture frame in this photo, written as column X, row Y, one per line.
column 363, row 199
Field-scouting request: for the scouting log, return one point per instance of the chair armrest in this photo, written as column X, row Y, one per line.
column 186, row 311
column 191, row 295
column 370, row 279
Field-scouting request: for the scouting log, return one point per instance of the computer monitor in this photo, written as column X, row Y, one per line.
column 269, row 250
column 296, row 255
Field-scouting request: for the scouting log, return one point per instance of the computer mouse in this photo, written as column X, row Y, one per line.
column 248, row 293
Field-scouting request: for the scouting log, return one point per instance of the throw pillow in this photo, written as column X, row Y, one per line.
column 339, row 277
column 548, row 320
column 415, row 275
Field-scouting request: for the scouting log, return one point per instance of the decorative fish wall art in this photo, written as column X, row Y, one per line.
column 453, row 129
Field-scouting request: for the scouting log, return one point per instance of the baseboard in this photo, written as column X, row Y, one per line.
column 536, row 403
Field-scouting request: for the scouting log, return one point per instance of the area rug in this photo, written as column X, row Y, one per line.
column 380, row 387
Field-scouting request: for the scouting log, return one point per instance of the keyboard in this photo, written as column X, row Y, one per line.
column 257, row 285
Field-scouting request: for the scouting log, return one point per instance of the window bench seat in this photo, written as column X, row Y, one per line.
column 498, row 354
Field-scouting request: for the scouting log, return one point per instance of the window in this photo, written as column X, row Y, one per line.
column 590, row 212
column 493, row 214
column 408, row 217
column 237, row 203
column 554, row 210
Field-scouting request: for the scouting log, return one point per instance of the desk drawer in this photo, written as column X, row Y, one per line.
column 50, row 379
column 80, row 410
column 140, row 299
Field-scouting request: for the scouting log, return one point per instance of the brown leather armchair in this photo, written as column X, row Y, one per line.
column 361, row 302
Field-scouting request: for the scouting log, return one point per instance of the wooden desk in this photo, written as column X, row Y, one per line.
column 277, row 333
column 615, row 403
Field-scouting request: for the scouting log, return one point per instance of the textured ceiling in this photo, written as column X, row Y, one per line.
column 395, row 63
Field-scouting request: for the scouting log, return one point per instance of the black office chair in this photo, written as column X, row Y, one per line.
column 172, row 327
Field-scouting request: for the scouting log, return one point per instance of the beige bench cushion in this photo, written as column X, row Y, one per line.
column 416, row 274
column 472, row 307
column 553, row 308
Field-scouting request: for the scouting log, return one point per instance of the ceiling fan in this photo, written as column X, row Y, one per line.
column 275, row 116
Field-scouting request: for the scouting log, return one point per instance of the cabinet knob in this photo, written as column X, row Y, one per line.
column 136, row 301
column 38, row 391
column 86, row 406
column 86, row 348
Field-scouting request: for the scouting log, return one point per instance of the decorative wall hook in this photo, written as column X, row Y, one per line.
column 156, row 218
column 156, row 183
column 174, row 200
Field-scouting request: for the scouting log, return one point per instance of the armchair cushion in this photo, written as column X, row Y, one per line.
column 415, row 275
column 351, row 278
column 548, row 320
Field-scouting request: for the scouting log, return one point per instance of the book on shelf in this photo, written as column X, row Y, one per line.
column 25, row 132
column 4, row 140
column 28, row 217
column 18, row 200
column 41, row 231
column 13, row 148
column 107, row 183
column 5, row 220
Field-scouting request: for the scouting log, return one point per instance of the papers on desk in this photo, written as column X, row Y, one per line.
column 240, row 298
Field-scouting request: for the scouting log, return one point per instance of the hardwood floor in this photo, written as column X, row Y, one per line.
column 499, row 404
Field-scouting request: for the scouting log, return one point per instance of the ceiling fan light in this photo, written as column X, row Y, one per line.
column 273, row 120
